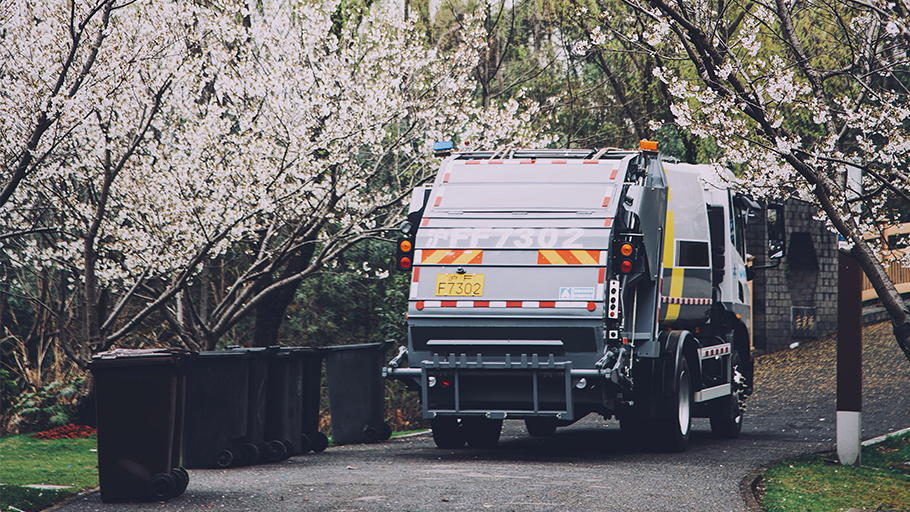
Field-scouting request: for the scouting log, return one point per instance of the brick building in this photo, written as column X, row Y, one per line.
column 798, row 299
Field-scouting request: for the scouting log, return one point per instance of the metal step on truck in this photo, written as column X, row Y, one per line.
column 551, row 284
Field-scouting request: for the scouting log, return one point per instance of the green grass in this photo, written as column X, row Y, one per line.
column 817, row 484
column 24, row 460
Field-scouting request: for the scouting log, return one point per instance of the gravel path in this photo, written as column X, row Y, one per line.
column 583, row 467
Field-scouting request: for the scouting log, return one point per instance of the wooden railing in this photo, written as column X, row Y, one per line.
column 900, row 276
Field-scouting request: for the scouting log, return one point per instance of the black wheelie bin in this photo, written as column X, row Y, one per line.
column 216, row 433
column 357, row 392
column 283, row 424
column 311, row 360
column 140, row 403
column 255, row 448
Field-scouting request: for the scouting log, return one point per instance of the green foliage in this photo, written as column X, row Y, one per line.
column 52, row 405
column 358, row 299
column 810, row 484
column 25, row 461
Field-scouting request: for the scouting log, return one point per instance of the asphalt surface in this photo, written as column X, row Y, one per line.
column 583, row 467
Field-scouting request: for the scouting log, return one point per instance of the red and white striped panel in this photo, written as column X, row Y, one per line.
column 414, row 278
column 493, row 304
column 714, row 351
column 685, row 301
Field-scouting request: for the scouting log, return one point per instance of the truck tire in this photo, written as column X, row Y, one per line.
column 481, row 432
column 447, row 432
column 727, row 421
column 541, row 427
column 672, row 433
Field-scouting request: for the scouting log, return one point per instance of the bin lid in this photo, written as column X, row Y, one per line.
column 223, row 353
column 132, row 356
column 381, row 346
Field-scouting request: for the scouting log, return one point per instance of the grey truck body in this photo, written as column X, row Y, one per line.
column 518, row 307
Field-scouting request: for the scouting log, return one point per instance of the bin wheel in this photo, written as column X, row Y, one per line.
column 249, row 454
column 162, row 487
column 290, row 447
column 447, row 432
column 304, row 443
column 182, row 477
column 275, row 450
column 224, row 459
column 369, row 434
column 385, row 432
column 318, row 442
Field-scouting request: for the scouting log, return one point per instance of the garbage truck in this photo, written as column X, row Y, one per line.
column 547, row 285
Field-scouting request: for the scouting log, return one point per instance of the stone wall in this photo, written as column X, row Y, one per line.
column 798, row 299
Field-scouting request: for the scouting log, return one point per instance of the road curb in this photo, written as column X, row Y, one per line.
column 747, row 488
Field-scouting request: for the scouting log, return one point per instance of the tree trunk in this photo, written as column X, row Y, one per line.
column 271, row 310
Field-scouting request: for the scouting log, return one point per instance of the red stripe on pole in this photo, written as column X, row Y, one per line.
column 547, row 304
column 513, row 304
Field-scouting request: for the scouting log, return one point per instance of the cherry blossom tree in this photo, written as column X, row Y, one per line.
column 794, row 93
column 261, row 139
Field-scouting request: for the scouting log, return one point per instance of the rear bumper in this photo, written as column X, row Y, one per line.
column 520, row 387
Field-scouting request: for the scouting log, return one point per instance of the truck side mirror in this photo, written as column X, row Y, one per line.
column 777, row 238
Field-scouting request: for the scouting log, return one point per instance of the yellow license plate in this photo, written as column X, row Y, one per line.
column 459, row 285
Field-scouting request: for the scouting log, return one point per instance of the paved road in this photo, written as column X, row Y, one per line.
column 584, row 467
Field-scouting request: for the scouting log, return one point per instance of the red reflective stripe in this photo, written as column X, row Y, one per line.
column 606, row 202
column 416, row 274
column 608, row 222
column 567, row 257
column 481, row 303
column 613, row 174
column 495, row 161
column 559, row 162
column 424, row 222
column 458, row 256
column 513, row 304
column 439, row 200
column 547, row 304
column 449, row 303
column 527, row 161
column 601, row 275
column 445, row 179
column 592, row 161
column 472, row 162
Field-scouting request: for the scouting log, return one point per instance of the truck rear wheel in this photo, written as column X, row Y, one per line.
column 673, row 431
column 481, row 432
column 727, row 422
column 447, row 432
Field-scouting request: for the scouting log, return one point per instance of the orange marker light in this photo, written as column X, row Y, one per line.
column 405, row 245
column 648, row 145
column 626, row 249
